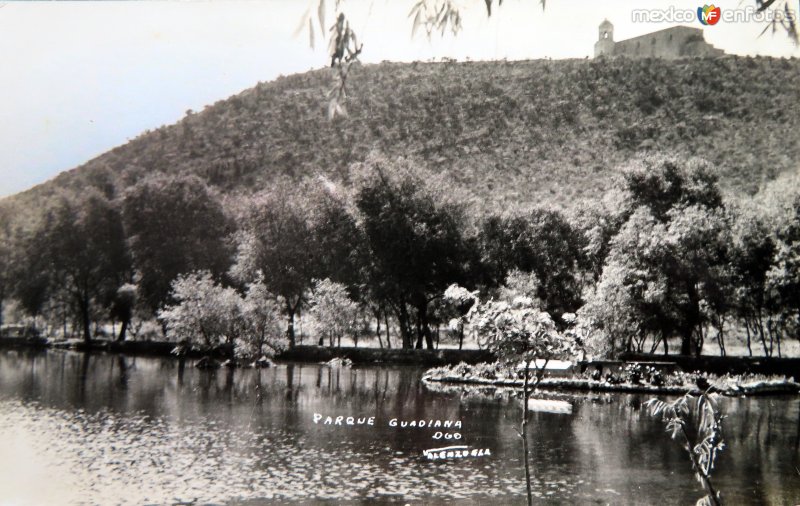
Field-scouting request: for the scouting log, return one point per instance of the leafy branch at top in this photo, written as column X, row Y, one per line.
column 436, row 15
column 343, row 48
column 783, row 18
column 441, row 15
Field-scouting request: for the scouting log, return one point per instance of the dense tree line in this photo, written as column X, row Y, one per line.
column 664, row 257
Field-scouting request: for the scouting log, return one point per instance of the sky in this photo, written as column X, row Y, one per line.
column 79, row 78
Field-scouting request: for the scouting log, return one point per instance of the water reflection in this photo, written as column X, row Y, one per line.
column 104, row 428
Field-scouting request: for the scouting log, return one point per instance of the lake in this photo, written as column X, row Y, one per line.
column 107, row 429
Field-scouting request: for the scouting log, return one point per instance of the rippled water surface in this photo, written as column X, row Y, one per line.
column 103, row 429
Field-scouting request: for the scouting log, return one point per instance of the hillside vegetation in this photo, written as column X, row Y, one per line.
column 444, row 179
column 506, row 133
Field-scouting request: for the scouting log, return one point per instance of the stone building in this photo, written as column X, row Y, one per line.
column 674, row 42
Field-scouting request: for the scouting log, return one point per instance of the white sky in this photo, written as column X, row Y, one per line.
column 78, row 78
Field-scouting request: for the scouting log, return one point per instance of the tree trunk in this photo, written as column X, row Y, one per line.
column 761, row 334
column 290, row 323
column 419, row 333
column 686, row 343
column 524, row 432
column 747, row 328
column 426, row 330
column 123, row 330
column 425, row 326
column 770, row 331
column 700, row 341
column 378, row 328
column 386, row 321
column 85, row 320
column 405, row 331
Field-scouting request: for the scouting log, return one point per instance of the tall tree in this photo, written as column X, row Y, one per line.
column 784, row 276
column 277, row 242
column 753, row 252
column 543, row 243
column 31, row 271
column 174, row 225
column 338, row 242
column 416, row 245
column 665, row 269
column 86, row 251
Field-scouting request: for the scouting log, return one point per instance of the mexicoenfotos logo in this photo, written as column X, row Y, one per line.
column 708, row 14
column 711, row 15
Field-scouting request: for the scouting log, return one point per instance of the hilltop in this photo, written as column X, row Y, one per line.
column 507, row 133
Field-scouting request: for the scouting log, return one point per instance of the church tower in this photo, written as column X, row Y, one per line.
column 605, row 40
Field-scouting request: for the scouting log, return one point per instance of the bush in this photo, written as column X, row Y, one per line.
column 206, row 313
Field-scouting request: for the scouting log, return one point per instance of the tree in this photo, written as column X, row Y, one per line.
column 205, row 313
column 415, row 245
column 519, row 332
column 333, row 313
column 753, row 251
column 783, row 279
column 457, row 302
column 543, row 243
column 122, row 307
column 277, row 242
column 666, row 271
column 697, row 279
column 174, row 225
column 598, row 222
column 663, row 184
column 80, row 247
column 30, row 274
column 261, row 315
column 660, row 280
column 337, row 241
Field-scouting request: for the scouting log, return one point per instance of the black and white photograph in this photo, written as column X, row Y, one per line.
column 412, row 252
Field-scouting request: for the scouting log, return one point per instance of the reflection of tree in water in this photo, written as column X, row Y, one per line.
column 764, row 430
column 181, row 370
column 291, row 393
column 123, row 372
column 83, row 374
column 228, row 390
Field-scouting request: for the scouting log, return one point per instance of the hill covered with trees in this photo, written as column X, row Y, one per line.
column 505, row 133
column 530, row 180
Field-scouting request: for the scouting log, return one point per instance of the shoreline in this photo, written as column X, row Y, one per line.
column 758, row 387
column 300, row 353
column 720, row 366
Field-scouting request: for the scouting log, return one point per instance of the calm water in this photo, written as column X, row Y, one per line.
column 104, row 429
